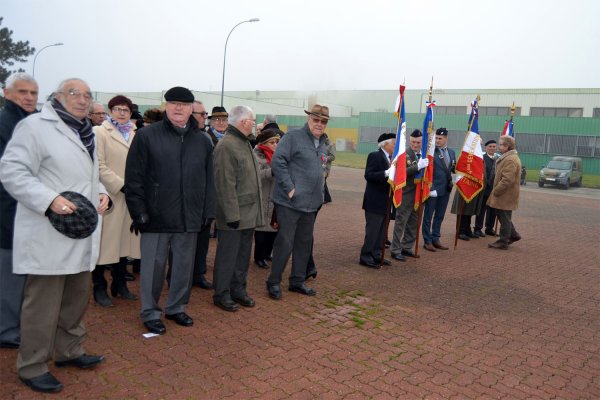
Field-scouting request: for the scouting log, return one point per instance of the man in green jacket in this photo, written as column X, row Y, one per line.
column 238, row 209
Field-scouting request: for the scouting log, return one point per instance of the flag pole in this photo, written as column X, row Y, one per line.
column 389, row 199
column 420, row 213
column 462, row 201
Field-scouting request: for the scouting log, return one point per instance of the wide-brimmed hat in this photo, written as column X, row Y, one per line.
column 218, row 111
column 79, row 224
column 319, row 111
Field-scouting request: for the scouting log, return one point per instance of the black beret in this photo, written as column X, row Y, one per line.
column 270, row 125
column 179, row 93
column 490, row 142
column 386, row 136
column 442, row 132
column 416, row 133
column 79, row 224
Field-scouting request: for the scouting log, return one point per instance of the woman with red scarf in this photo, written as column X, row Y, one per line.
column 264, row 236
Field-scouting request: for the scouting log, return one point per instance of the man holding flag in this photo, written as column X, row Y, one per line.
column 405, row 227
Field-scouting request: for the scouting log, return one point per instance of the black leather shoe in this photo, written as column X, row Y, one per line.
column 472, row 235
column 478, row 233
column 408, row 253
column 84, row 361
column 155, row 326
column 180, row 319
column 122, row 292
column 464, row 237
column 9, row 345
column 245, row 301
column 303, row 289
column 399, row 257
column 369, row 264
column 490, row 232
column 274, row 291
column 498, row 245
column 386, row 262
column 514, row 238
column 45, row 383
column 261, row 264
column 203, row 283
column 101, row 298
column 227, row 305
column 312, row 274
column 129, row 276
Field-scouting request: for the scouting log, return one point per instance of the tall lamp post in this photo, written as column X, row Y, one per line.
column 225, row 54
column 39, row 51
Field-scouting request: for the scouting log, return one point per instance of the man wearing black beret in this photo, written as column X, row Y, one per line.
column 487, row 212
column 444, row 161
column 169, row 188
column 375, row 201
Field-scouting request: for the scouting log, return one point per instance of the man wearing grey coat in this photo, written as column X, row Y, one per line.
column 52, row 152
column 239, row 209
column 298, row 165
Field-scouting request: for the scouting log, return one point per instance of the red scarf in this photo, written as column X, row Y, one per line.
column 267, row 151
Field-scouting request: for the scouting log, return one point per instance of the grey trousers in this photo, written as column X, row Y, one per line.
column 374, row 237
column 11, row 298
column 53, row 308
column 155, row 250
column 231, row 263
column 293, row 238
column 507, row 229
column 405, row 227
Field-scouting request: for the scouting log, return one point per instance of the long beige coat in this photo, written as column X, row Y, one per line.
column 117, row 241
column 505, row 195
column 266, row 183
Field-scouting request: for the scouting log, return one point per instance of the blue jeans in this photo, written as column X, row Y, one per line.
column 435, row 208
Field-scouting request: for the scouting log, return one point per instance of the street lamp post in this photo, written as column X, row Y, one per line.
column 225, row 54
column 39, row 51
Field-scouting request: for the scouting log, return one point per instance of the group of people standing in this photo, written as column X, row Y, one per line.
column 499, row 197
column 85, row 191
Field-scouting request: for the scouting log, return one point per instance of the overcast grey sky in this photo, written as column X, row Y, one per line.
column 149, row 45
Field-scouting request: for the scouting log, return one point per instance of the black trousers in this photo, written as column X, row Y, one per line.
column 374, row 238
column 117, row 272
column 486, row 213
column 263, row 244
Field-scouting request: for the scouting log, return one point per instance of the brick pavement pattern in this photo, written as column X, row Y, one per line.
column 470, row 323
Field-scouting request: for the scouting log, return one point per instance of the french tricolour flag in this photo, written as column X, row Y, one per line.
column 397, row 178
column 469, row 166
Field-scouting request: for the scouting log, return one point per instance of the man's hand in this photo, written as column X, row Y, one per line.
column 104, row 203
column 234, row 224
column 422, row 163
column 433, row 193
column 60, row 205
column 138, row 223
column 291, row 193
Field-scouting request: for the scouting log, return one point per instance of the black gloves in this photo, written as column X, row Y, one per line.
column 234, row 224
column 206, row 223
column 139, row 223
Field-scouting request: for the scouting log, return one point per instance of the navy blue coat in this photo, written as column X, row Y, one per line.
column 377, row 192
column 442, row 175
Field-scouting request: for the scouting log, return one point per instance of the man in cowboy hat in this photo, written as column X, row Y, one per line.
column 218, row 123
column 298, row 165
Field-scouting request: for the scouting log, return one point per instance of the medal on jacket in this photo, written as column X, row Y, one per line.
column 323, row 161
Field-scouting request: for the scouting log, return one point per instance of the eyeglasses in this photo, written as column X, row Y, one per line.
column 204, row 113
column 121, row 110
column 250, row 119
column 76, row 94
column 319, row 120
column 98, row 113
column 219, row 119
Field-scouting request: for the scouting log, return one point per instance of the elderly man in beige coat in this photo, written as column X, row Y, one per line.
column 52, row 152
column 505, row 195
column 239, row 209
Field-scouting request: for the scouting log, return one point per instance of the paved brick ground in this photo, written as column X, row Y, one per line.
column 470, row 323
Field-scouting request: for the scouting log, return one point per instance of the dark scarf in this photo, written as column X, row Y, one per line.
column 83, row 128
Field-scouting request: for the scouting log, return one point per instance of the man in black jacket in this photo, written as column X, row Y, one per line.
column 375, row 201
column 21, row 94
column 487, row 212
column 170, row 194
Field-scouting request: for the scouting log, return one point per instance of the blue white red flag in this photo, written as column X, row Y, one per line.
column 469, row 166
column 397, row 177
column 424, row 177
column 508, row 129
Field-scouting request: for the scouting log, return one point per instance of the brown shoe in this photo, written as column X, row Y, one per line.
column 440, row 246
column 498, row 245
column 429, row 246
